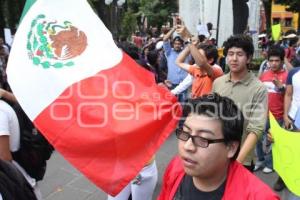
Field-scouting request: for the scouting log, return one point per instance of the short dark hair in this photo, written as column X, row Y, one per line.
column 130, row 49
column 276, row 50
column 210, row 52
column 223, row 109
column 209, row 26
column 178, row 38
column 239, row 41
column 152, row 57
column 201, row 38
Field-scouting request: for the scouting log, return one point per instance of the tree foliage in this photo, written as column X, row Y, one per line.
column 293, row 5
column 10, row 13
column 131, row 16
column 157, row 12
column 129, row 24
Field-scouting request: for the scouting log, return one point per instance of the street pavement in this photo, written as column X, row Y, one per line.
column 63, row 182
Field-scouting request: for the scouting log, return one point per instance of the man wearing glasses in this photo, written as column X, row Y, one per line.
column 208, row 145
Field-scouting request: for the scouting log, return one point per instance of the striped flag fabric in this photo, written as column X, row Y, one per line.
column 96, row 106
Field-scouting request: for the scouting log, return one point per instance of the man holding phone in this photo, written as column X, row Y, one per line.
column 175, row 73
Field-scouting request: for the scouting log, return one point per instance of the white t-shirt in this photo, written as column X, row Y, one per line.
column 9, row 125
column 294, row 80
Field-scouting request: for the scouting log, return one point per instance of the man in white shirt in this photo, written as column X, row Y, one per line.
column 10, row 141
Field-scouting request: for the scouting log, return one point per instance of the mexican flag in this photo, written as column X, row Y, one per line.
column 98, row 107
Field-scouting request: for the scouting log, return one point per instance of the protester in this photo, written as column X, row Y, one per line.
column 274, row 79
column 291, row 109
column 13, row 185
column 292, row 98
column 204, row 71
column 208, row 145
column 246, row 91
column 10, row 138
column 175, row 74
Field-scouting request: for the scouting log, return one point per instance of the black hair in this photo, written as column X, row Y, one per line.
column 240, row 41
column 293, row 41
column 276, row 50
column 223, row 109
column 178, row 38
column 130, row 49
column 201, row 38
column 209, row 26
column 152, row 57
column 210, row 52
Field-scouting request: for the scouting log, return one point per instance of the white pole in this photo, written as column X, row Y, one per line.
column 253, row 22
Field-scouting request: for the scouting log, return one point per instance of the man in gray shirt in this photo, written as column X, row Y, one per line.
column 246, row 91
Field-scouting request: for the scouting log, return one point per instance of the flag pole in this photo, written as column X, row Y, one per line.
column 218, row 22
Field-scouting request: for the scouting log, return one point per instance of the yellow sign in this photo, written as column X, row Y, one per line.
column 276, row 32
column 286, row 155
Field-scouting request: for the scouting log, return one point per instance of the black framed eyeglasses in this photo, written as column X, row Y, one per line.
column 197, row 140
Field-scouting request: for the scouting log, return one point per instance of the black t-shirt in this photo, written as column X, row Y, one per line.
column 188, row 191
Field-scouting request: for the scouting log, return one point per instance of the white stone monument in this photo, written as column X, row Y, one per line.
column 194, row 11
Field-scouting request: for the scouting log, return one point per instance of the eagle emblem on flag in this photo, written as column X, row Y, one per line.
column 50, row 44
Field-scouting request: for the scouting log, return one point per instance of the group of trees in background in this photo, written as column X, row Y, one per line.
column 10, row 13
column 134, row 14
column 128, row 18
column 121, row 20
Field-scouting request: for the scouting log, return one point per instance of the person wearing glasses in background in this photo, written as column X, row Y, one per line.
column 208, row 145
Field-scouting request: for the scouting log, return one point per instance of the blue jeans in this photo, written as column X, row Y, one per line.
column 262, row 155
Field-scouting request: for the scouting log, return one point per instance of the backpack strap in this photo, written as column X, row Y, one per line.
column 13, row 185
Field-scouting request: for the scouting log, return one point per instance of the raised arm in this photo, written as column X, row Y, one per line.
column 200, row 59
column 288, row 65
column 181, row 58
column 169, row 34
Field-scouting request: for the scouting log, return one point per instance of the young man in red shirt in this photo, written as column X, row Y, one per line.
column 274, row 79
column 208, row 145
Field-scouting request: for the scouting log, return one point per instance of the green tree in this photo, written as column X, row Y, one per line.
column 129, row 23
column 293, row 6
column 157, row 12
column 10, row 13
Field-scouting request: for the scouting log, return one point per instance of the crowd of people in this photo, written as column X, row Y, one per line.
column 224, row 122
column 191, row 67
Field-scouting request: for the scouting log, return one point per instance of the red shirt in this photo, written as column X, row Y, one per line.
column 275, row 96
column 240, row 183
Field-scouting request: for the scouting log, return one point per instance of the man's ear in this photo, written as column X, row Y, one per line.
column 232, row 147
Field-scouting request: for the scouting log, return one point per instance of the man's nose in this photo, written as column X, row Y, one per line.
column 234, row 56
column 189, row 145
